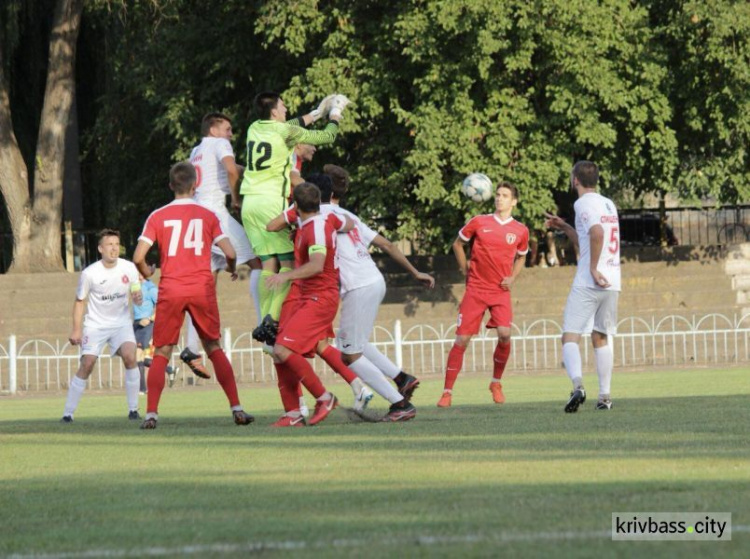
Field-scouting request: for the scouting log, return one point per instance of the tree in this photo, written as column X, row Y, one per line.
column 35, row 206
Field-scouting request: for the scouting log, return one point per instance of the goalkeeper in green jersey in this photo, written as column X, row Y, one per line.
column 266, row 188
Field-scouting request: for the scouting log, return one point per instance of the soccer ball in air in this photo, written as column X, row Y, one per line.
column 477, row 187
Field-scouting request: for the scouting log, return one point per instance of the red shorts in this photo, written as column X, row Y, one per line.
column 472, row 307
column 170, row 315
column 305, row 320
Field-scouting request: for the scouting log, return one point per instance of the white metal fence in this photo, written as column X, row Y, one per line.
column 674, row 340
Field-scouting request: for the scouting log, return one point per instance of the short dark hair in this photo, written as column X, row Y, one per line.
column 182, row 177
column 211, row 120
column 264, row 103
column 340, row 179
column 307, row 197
column 324, row 183
column 587, row 173
column 107, row 233
column 510, row 186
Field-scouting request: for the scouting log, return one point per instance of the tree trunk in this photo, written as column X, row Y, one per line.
column 36, row 231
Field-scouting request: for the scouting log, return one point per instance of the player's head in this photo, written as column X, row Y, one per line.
column 217, row 125
column 305, row 151
column 109, row 245
column 340, row 179
column 182, row 178
column 506, row 196
column 324, row 184
column 584, row 174
column 307, row 197
column 270, row 106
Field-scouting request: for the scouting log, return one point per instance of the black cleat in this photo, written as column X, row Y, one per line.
column 242, row 418
column 604, row 405
column 149, row 423
column 67, row 419
column 195, row 362
column 400, row 411
column 133, row 415
column 266, row 331
column 406, row 385
column 577, row 397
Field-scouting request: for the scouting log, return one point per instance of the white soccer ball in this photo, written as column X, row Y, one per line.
column 477, row 187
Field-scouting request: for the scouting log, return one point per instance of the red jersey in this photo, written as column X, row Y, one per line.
column 496, row 245
column 185, row 232
column 318, row 231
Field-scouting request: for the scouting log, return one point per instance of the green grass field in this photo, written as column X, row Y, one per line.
column 476, row 479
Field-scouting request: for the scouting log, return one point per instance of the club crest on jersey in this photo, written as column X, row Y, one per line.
column 125, row 279
column 510, row 238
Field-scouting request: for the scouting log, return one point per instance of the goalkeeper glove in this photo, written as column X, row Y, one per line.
column 338, row 104
column 322, row 109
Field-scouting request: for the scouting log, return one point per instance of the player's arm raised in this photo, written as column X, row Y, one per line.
column 556, row 222
column 394, row 252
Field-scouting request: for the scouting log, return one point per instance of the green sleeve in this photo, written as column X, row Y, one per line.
column 298, row 135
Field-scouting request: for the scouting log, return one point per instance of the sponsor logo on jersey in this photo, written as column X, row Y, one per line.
column 609, row 219
column 125, row 279
column 510, row 238
column 113, row 296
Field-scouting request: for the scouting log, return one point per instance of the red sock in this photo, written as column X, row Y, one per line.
column 155, row 382
column 289, row 387
column 332, row 356
column 500, row 358
column 305, row 373
column 453, row 367
column 225, row 376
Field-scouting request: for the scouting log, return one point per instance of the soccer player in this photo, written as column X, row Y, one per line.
column 266, row 187
column 592, row 302
column 498, row 250
column 308, row 312
column 108, row 285
column 217, row 177
column 185, row 232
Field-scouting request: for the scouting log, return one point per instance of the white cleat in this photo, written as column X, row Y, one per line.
column 362, row 399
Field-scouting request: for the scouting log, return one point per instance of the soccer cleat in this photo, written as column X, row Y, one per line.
column 362, row 399
column 172, row 375
column 287, row 421
column 322, row 409
column 266, row 331
column 604, row 405
column 445, row 400
column 577, row 397
column 149, row 423
column 401, row 411
column 406, row 385
column 67, row 419
column 497, row 392
column 242, row 418
column 195, row 362
column 133, row 415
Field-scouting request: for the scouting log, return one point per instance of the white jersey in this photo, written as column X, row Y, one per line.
column 108, row 292
column 594, row 209
column 212, row 181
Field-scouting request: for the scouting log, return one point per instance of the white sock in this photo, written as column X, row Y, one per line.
column 605, row 360
column 572, row 361
column 132, row 385
column 254, row 292
column 385, row 365
column 193, row 341
column 377, row 381
column 356, row 386
column 75, row 391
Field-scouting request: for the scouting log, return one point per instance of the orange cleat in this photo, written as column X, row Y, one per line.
column 195, row 363
column 322, row 409
column 497, row 392
column 445, row 400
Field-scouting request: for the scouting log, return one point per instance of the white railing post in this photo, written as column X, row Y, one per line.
column 13, row 368
column 228, row 343
column 398, row 347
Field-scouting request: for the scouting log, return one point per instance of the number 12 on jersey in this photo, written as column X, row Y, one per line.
column 193, row 238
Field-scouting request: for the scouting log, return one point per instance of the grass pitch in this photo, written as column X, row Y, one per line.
column 522, row 479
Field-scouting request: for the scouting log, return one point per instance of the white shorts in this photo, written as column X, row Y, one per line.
column 95, row 338
column 590, row 309
column 238, row 238
column 359, row 308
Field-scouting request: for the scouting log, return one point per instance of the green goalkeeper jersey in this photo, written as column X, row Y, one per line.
column 269, row 147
